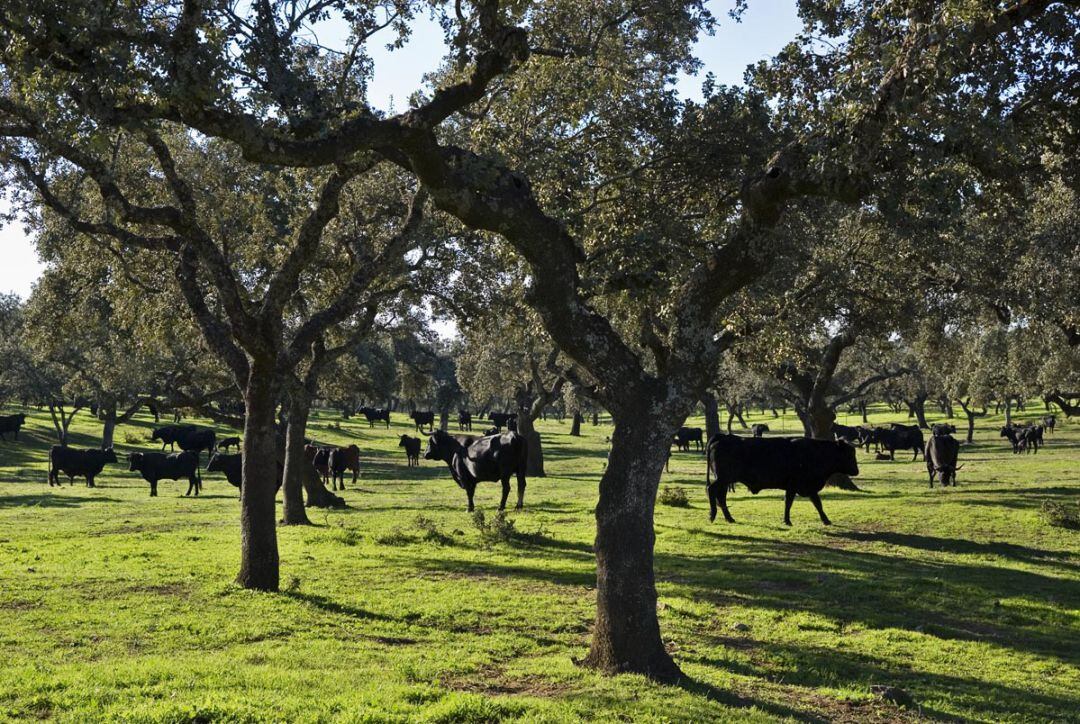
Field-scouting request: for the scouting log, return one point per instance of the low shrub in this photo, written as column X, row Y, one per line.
column 1062, row 515
column 674, row 496
column 499, row 529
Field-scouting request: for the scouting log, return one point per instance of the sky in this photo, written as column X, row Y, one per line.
column 766, row 27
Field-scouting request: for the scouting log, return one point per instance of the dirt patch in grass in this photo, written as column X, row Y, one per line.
column 493, row 681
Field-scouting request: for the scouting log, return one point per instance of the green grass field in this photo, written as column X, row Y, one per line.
column 115, row 605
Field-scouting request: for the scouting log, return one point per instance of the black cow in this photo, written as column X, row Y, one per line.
column 423, row 418
column 847, row 433
column 412, row 449
column 869, row 436
column 155, row 466
column 464, row 420
column 1024, row 439
column 901, row 437
column 1049, row 422
column 493, row 458
column 796, row 465
column 940, row 456
column 759, row 429
column 340, row 460
column 72, row 462
column 941, row 429
column 196, row 440
column 319, row 457
column 227, row 442
column 504, row 419
column 373, row 415
column 686, row 435
column 11, row 423
column 170, row 434
column 233, row 468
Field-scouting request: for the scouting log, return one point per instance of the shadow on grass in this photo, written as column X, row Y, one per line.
column 330, row 606
column 48, row 500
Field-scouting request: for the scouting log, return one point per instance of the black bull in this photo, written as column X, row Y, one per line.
column 796, row 465
column 495, row 458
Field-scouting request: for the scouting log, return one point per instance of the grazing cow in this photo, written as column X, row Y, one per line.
column 869, row 436
column 227, row 442
column 11, row 423
column 170, row 434
column 320, row 458
column 1023, row 439
column 504, row 419
column 72, row 462
column 412, row 449
column 901, row 437
column 464, row 420
column 155, row 466
column 846, row 433
column 340, row 460
column 796, row 465
column 373, row 415
column 941, row 429
column 493, row 458
column 233, row 468
column 759, row 429
column 1049, row 422
column 686, row 435
column 196, row 440
column 423, row 418
column 940, row 457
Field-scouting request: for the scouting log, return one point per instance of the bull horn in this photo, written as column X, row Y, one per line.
column 959, row 466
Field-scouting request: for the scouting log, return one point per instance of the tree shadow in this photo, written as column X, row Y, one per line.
column 48, row 500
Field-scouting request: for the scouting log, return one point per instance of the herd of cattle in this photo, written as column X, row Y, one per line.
column 798, row 466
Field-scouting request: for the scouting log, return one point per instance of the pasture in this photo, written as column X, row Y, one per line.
column 401, row 608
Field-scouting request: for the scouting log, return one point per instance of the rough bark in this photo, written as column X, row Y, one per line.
column 575, row 426
column 534, row 466
column 292, row 510
column 918, row 407
column 626, row 634
column 258, row 531
column 712, row 416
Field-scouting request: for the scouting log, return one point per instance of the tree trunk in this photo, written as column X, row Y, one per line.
column 258, row 531
column 919, row 407
column 595, row 418
column 971, row 426
column 108, row 430
column 1008, row 410
column 534, row 466
column 712, row 416
column 862, row 411
column 444, row 420
column 575, row 426
column 292, row 489
column 739, row 407
column 626, row 634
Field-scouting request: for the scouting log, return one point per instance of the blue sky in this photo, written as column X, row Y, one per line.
column 766, row 27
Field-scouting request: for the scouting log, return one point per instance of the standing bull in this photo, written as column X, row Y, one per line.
column 940, row 457
column 495, row 458
column 82, row 463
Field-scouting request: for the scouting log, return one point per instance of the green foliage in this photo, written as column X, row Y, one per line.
column 1062, row 515
column 674, row 496
column 500, row 529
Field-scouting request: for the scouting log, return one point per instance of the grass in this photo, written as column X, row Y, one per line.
column 117, row 606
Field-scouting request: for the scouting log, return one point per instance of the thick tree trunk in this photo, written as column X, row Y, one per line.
column 258, row 526
column 534, row 466
column 862, row 411
column 575, row 426
column 712, row 416
column 918, row 406
column 1008, row 410
column 292, row 489
column 971, row 426
column 444, row 420
column 108, row 421
column 626, row 635
column 595, row 418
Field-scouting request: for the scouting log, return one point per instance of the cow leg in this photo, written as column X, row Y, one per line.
column 153, row 488
column 89, row 481
column 505, row 492
column 789, row 498
column 722, row 491
column 355, row 475
column 470, row 490
column 521, row 490
column 932, row 479
column 816, row 500
column 915, row 456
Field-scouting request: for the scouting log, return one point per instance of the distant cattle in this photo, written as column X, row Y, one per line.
column 77, row 463
column 796, row 465
column 759, row 429
column 940, row 429
column 422, row 419
column 901, row 437
column 373, row 415
column 412, row 449
column 1049, row 422
column 227, row 442
column 170, row 434
column 340, row 460
column 853, row 435
column 1024, row 439
column 232, row 466
column 686, row 435
column 495, row 458
column 504, row 419
column 11, row 423
column 155, row 466
column 464, row 420
column 940, row 457
column 320, row 458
